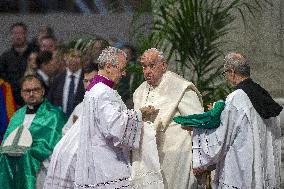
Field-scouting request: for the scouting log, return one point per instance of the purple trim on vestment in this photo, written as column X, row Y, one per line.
column 100, row 79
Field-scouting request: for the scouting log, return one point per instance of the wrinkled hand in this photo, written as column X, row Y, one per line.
column 149, row 113
column 198, row 171
column 74, row 118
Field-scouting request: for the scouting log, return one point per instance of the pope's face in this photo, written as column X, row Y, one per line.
column 153, row 68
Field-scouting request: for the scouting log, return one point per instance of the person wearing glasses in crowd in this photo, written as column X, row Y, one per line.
column 24, row 166
column 246, row 147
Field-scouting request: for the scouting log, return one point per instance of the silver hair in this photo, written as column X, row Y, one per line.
column 109, row 55
column 238, row 63
column 160, row 53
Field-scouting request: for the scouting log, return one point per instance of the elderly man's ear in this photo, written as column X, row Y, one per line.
column 165, row 66
column 43, row 91
column 108, row 67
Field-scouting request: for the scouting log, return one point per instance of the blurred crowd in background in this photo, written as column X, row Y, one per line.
column 51, row 59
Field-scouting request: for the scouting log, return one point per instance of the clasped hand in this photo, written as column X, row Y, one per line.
column 149, row 113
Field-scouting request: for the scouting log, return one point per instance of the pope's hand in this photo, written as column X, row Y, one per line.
column 149, row 113
column 198, row 171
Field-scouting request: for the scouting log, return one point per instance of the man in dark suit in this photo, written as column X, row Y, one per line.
column 13, row 62
column 67, row 89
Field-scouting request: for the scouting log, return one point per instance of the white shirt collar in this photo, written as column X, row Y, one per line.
column 43, row 75
column 77, row 74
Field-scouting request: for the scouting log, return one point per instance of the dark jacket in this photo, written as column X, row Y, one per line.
column 55, row 94
column 12, row 68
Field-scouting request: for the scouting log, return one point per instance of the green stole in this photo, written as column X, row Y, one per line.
column 46, row 130
column 207, row 120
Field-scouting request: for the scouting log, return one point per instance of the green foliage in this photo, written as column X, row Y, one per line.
column 145, row 6
column 144, row 43
column 194, row 30
column 192, row 33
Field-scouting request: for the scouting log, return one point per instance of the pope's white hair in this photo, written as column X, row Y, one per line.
column 159, row 53
column 109, row 55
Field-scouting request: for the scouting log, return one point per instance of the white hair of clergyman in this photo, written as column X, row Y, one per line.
column 238, row 63
column 109, row 55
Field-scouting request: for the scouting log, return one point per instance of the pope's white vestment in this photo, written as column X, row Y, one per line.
column 245, row 147
column 98, row 145
column 174, row 96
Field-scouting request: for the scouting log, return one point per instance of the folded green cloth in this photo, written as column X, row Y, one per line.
column 207, row 120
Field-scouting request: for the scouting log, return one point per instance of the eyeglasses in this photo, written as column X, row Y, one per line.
column 33, row 90
column 228, row 70
column 224, row 73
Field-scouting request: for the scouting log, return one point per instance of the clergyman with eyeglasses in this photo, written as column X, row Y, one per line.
column 246, row 147
column 30, row 138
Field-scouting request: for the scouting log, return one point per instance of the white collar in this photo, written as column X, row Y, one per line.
column 77, row 74
column 43, row 75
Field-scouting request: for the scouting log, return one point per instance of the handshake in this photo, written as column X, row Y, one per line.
column 149, row 113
